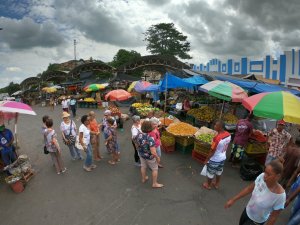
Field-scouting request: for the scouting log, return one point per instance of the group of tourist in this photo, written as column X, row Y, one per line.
column 268, row 193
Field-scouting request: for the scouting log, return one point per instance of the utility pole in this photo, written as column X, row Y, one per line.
column 75, row 50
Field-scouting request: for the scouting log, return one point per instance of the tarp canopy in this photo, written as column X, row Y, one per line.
column 171, row 81
column 258, row 87
column 197, row 80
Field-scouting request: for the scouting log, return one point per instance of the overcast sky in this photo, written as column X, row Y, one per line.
column 38, row 32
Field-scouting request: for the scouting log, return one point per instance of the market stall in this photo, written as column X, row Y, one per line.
column 20, row 170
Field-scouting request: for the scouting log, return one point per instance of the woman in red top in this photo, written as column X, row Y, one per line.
column 95, row 136
column 156, row 136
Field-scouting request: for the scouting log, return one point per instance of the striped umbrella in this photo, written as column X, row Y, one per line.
column 95, row 87
column 224, row 90
column 138, row 86
column 275, row 105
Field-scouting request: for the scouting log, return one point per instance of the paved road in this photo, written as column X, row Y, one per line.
column 113, row 195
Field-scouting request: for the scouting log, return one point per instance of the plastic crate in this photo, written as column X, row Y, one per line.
column 184, row 141
column 168, row 149
column 190, row 119
column 184, row 149
column 255, row 147
column 199, row 157
column 201, row 147
column 200, row 123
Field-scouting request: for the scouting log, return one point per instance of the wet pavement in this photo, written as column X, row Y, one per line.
column 113, row 195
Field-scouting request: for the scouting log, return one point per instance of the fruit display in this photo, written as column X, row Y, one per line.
column 140, row 105
column 167, row 139
column 114, row 110
column 89, row 100
column 182, row 129
column 207, row 138
column 204, row 113
column 229, row 118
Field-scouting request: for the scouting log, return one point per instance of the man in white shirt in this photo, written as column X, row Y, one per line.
column 64, row 104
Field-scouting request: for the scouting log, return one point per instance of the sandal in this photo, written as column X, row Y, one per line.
column 205, row 186
column 112, row 162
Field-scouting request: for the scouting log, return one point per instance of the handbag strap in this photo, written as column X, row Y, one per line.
column 71, row 127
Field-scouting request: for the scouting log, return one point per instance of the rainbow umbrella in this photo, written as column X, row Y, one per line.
column 224, row 90
column 118, row 95
column 274, row 105
column 95, row 87
column 138, row 86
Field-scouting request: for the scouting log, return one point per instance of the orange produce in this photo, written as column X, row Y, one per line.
column 182, row 129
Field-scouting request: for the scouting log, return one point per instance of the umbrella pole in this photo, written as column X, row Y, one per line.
column 16, row 131
column 166, row 92
column 222, row 109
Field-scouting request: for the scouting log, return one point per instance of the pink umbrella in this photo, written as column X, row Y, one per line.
column 16, row 107
column 118, row 95
column 11, row 109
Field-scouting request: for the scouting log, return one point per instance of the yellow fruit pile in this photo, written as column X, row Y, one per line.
column 182, row 129
column 229, row 118
column 204, row 113
column 167, row 139
column 140, row 105
column 89, row 100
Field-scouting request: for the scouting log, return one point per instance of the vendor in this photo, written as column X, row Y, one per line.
column 186, row 104
column 243, row 131
column 8, row 154
column 278, row 138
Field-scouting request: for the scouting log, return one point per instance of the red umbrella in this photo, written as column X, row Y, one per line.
column 118, row 95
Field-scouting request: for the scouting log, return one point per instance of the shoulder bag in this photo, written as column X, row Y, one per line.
column 70, row 138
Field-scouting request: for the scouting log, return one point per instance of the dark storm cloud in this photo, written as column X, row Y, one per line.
column 98, row 23
column 25, row 34
column 214, row 31
column 270, row 14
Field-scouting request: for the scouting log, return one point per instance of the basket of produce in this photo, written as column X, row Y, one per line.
column 203, row 140
column 182, row 129
column 184, row 136
column 167, row 142
column 166, row 121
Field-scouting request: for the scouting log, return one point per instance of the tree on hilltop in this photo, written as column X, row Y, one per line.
column 165, row 39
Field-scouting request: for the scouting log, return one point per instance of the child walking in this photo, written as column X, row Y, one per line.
column 111, row 141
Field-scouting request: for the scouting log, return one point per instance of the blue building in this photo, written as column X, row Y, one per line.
column 286, row 68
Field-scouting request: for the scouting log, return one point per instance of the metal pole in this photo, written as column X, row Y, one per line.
column 166, row 92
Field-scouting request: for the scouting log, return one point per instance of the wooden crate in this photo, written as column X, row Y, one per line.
column 184, row 141
column 201, row 147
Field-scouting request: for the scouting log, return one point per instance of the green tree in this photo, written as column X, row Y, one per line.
column 11, row 88
column 123, row 56
column 165, row 39
column 53, row 67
